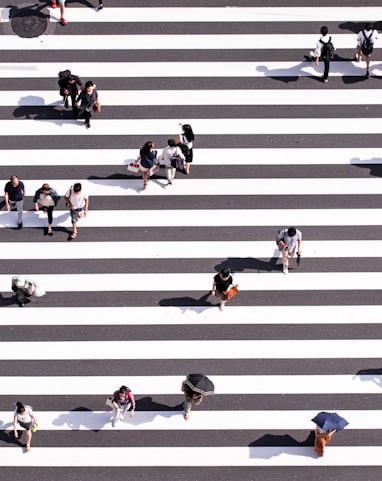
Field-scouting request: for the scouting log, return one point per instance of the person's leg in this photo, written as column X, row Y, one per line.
column 367, row 60
column 326, row 70
column 28, row 438
column 62, row 12
column 20, row 208
column 116, row 415
column 49, row 211
column 74, row 216
column 100, row 5
column 20, row 295
column 187, row 405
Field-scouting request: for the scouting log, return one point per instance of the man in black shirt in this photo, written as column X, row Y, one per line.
column 14, row 192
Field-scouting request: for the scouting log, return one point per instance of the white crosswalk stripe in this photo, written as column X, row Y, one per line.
column 128, row 301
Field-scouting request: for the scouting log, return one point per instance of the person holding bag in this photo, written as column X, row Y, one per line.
column 46, row 198
column 222, row 283
column 148, row 160
column 25, row 417
column 173, row 158
column 185, row 142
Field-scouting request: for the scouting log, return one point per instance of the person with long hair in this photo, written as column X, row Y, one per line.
column 185, row 141
column 25, row 417
column 121, row 401
column 148, row 161
column 46, row 198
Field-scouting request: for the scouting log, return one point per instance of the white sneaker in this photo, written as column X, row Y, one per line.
column 285, row 269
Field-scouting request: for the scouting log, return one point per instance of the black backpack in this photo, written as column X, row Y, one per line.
column 367, row 43
column 327, row 52
column 63, row 79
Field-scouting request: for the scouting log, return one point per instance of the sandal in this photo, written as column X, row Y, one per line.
column 73, row 235
column 49, row 230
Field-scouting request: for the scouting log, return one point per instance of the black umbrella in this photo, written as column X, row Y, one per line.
column 329, row 421
column 200, row 383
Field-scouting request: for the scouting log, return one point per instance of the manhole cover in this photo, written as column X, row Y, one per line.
column 27, row 23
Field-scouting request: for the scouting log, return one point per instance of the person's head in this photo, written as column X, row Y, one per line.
column 71, row 79
column 14, row 180
column 225, row 273
column 20, row 408
column 19, row 282
column 171, row 142
column 324, row 30
column 147, row 147
column 188, row 132
column 368, row 26
column 77, row 187
column 292, row 231
column 45, row 188
column 89, row 87
column 123, row 390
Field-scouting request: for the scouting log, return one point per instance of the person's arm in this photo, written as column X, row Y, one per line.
column 132, row 399
column 180, row 153
column 213, row 290
column 15, row 427
column 6, row 200
column 86, row 206
column 299, row 247
column 36, row 196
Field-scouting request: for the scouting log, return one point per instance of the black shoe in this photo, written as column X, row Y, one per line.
column 21, row 304
column 20, row 225
column 66, row 104
column 100, row 6
column 87, row 123
column 367, row 74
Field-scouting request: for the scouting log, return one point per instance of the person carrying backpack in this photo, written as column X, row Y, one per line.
column 365, row 45
column 325, row 51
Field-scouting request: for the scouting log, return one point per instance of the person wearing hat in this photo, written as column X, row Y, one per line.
column 121, row 401
column 23, row 286
column 46, row 198
column 222, row 282
column 288, row 240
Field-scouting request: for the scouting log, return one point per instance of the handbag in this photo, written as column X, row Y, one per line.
column 38, row 292
column 133, row 167
column 97, row 107
column 34, row 427
column 229, row 293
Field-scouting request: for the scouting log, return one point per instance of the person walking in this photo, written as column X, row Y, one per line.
column 89, row 101
column 14, row 192
column 288, row 240
column 148, row 160
column 77, row 200
column 23, row 286
column 46, row 198
column 321, row 439
column 69, row 85
column 192, row 398
column 61, row 3
column 221, row 284
column 173, row 158
column 365, row 45
column 324, row 51
column 121, row 401
column 23, row 415
column 185, row 141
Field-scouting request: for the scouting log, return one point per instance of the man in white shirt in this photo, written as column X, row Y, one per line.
column 78, row 202
column 323, row 49
column 365, row 45
column 288, row 240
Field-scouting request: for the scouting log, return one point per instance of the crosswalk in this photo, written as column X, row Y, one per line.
column 127, row 301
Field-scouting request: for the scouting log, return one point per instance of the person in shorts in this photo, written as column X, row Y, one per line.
column 53, row 4
column 78, row 202
column 23, row 415
column 288, row 240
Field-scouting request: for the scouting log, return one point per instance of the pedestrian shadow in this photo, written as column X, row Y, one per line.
column 187, row 302
column 241, row 264
column 147, row 410
column 8, row 301
column 285, row 75
column 375, row 168
column 9, row 438
column 370, row 375
column 356, row 27
column 271, row 445
column 75, row 422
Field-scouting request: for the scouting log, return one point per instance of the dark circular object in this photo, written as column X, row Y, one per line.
column 27, row 23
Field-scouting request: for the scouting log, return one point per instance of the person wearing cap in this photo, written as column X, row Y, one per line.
column 23, row 286
column 221, row 283
column 288, row 240
column 171, row 155
column 14, row 192
column 121, row 401
column 46, row 198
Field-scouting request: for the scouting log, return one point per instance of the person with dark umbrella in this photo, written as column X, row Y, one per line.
column 326, row 425
column 194, row 388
